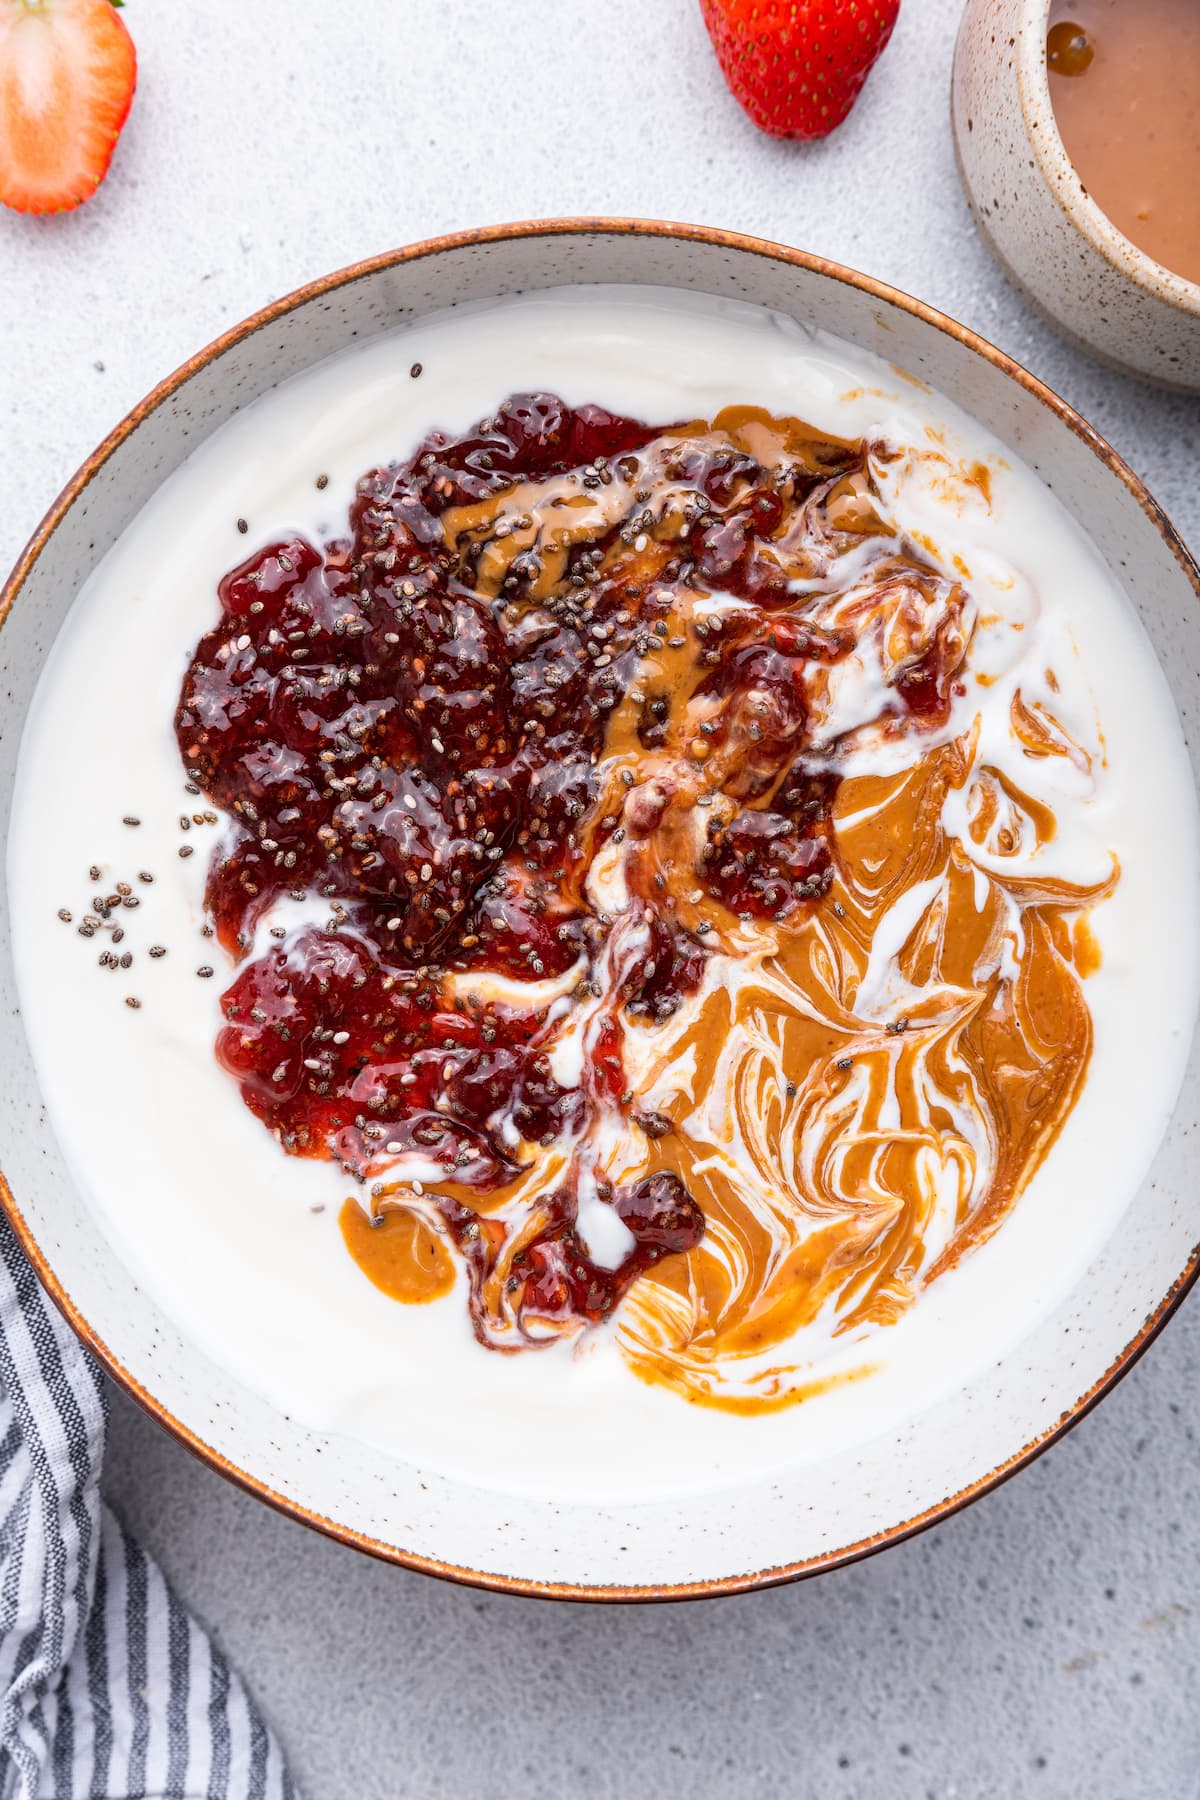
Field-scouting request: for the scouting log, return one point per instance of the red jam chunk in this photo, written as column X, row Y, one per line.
column 556, row 638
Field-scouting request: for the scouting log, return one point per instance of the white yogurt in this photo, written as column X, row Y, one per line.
column 240, row 1244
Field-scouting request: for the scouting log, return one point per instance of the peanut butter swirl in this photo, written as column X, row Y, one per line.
column 770, row 1002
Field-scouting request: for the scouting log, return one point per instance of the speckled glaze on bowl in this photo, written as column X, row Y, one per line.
column 802, row 1520
column 1036, row 216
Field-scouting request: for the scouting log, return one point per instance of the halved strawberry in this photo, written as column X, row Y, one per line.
column 68, row 69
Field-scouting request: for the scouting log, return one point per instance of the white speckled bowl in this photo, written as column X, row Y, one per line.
column 799, row 1521
column 1039, row 221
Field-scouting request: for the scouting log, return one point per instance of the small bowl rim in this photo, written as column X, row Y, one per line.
column 1062, row 179
column 208, row 1454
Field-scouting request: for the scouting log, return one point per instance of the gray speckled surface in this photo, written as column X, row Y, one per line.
column 1047, row 1641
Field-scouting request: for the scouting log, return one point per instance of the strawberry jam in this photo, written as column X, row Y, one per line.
column 509, row 762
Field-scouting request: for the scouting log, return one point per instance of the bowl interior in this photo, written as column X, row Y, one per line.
column 1046, row 143
column 801, row 1520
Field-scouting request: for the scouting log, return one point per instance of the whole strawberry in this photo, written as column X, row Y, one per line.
column 68, row 69
column 798, row 66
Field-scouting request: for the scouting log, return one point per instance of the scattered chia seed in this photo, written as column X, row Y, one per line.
column 243, row 527
column 655, row 1125
column 64, row 915
column 94, row 872
column 322, row 481
column 132, row 1001
column 415, row 370
column 157, row 950
column 127, row 960
column 186, row 849
column 204, row 971
column 146, row 876
column 129, row 820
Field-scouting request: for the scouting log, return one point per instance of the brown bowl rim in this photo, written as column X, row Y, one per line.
column 294, row 1509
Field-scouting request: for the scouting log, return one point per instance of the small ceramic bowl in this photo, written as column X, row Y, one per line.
column 803, row 1517
column 1037, row 218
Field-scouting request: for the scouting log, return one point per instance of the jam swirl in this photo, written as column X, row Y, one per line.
column 536, row 737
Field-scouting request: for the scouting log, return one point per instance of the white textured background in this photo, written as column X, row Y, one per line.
column 1046, row 1642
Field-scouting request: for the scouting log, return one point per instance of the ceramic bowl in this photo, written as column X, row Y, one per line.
column 1042, row 226
column 801, row 1520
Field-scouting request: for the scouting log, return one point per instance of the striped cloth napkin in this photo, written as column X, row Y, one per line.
column 108, row 1689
